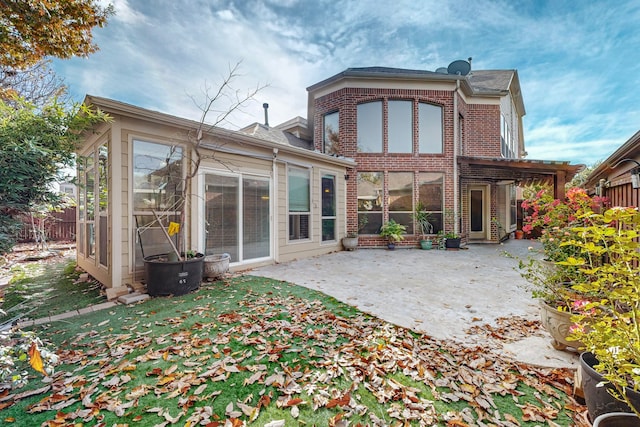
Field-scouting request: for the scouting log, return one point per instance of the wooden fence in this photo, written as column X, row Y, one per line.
column 60, row 226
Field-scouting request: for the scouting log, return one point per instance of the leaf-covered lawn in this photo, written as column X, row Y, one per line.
column 46, row 288
column 254, row 351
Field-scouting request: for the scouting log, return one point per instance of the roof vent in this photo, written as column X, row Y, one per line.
column 266, row 114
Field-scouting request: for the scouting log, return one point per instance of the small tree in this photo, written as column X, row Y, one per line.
column 234, row 101
column 35, row 145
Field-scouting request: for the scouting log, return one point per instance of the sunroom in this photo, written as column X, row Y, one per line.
column 256, row 196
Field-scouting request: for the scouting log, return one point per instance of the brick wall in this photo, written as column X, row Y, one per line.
column 480, row 136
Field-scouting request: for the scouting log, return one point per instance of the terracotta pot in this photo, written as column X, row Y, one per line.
column 558, row 324
column 599, row 400
column 519, row 234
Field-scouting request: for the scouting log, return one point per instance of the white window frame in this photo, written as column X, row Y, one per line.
column 299, row 214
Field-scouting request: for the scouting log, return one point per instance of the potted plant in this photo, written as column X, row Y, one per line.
column 423, row 224
column 550, row 276
column 393, row 232
column 609, row 326
column 350, row 241
column 451, row 240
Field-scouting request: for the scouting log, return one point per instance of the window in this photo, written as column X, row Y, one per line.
column 507, row 142
column 90, row 200
column 401, row 198
column 237, row 215
column 430, row 128
column 81, row 203
column 370, row 127
column 103, row 200
column 299, row 202
column 331, row 134
column 400, row 137
column 157, row 185
column 430, row 194
column 328, row 208
column 399, row 127
column 157, row 176
column 93, row 199
column 256, row 241
column 370, row 194
column 513, row 206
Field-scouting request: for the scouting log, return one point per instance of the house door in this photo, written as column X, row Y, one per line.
column 237, row 213
column 478, row 217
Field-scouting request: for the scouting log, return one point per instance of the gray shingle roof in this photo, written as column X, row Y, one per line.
column 490, row 80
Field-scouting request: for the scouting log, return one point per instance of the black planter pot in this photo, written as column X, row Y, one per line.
column 599, row 400
column 164, row 277
column 452, row 243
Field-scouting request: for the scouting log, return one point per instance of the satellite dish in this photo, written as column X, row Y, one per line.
column 459, row 67
column 442, row 70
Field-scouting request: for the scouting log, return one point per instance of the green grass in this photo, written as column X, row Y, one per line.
column 254, row 343
column 42, row 289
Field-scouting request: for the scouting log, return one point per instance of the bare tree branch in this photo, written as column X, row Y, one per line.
column 38, row 84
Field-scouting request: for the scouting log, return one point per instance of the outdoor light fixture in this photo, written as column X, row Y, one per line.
column 635, row 172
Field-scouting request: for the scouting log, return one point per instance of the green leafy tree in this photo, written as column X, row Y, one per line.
column 31, row 30
column 35, row 144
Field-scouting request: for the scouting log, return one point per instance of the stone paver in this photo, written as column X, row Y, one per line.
column 440, row 293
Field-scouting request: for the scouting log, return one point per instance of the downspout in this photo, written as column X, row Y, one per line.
column 456, row 183
column 274, row 206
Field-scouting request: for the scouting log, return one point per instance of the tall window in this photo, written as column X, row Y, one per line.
column 299, row 202
column 90, row 199
column 401, row 198
column 430, row 194
column 513, row 206
column 157, row 185
column 93, row 199
column 328, row 208
column 430, row 128
column 507, row 142
column 331, row 134
column 103, row 204
column 370, row 195
column 400, row 133
column 370, row 127
column 82, row 204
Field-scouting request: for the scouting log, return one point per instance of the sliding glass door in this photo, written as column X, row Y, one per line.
column 237, row 213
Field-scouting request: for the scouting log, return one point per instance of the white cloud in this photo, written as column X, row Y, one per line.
column 577, row 62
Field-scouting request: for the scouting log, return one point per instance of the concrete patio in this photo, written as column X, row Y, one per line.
column 439, row 293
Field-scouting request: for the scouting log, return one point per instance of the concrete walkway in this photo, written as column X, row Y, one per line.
column 440, row 293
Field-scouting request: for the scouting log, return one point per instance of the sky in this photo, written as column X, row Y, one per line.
column 578, row 61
